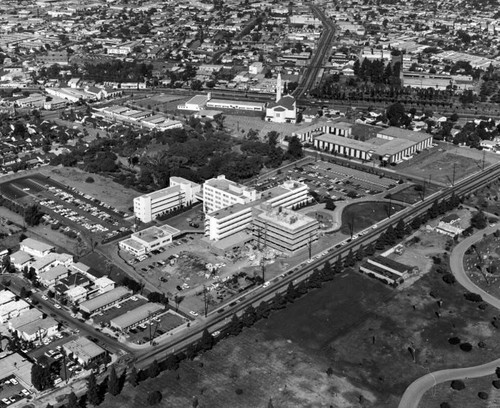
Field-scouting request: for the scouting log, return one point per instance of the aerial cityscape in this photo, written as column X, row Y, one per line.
column 249, row 203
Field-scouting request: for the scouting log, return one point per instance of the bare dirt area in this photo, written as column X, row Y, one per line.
column 102, row 188
column 468, row 397
column 439, row 164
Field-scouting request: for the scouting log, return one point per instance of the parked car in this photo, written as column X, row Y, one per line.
column 57, row 306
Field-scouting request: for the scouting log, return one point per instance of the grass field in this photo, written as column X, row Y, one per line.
column 467, row 397
column 412, row 194
column 365, row 214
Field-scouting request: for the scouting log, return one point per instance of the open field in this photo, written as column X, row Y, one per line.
column 413, row 194
column 467, row 397
column 365, row 214
column 439, row 163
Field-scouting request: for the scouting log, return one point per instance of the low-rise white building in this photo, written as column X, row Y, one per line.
column 149, row 239
column 104, row 284
column 36, row 248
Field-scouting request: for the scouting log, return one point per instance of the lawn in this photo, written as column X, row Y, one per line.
column 413, row 194
column 365, row 214
column 467, row 397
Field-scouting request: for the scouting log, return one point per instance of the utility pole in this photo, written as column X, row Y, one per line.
column 205, row 300
column 263, row 269
column 454, row 168
column 484, row 156
column 310, row 245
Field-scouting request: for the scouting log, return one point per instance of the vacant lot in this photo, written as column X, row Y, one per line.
column 439, row 164
column 362, row 215
column 467, row 397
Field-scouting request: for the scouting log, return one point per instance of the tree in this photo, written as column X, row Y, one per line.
column 249, row 316
column 93, row 394
column 32, row 215
column 154, row 397
column 360, row 254
column 400, row 229
column 457, row 385
column 154, row 369
column 207, row 341
column 72, row 401
column 235, row 326
column 113, row 383
column 339, row 267
column 329, row 204
column 40, row 377
column 291, row 293
column 349, row 259
column 133, row 378
column 396, row 115
column 295, row 148
column 479, row 220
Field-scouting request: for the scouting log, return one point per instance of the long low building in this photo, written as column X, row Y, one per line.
column 388, row 270
column 136, row 316
column 390, row 145
column 101, row 302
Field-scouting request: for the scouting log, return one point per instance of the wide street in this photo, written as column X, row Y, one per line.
column 414, row 393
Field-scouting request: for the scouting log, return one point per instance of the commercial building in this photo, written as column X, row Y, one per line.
column 84, row 351
column 105, row 300
column 136, row 316
column 219, row 193
column 387, row 270
column 390, row 145
column 227, row 104
column 180, row 193
column 284, row 230
column 149, row 239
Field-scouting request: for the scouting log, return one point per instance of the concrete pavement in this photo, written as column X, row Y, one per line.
column 414, row 393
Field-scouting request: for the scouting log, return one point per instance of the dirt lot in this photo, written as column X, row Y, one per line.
column 467, row 397
column 439, row 163
column 102, row 188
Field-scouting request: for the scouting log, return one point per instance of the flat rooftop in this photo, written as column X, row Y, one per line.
column 136, row 315
column 405, row 134
column 233, row 102
column 228, row 186
column 162, row 193
column 286, row 219
column 154, row 233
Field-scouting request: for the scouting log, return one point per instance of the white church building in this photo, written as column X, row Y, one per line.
column 284, row 109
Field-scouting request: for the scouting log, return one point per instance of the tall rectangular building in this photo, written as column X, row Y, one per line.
column 220, row 193
column 180, row 193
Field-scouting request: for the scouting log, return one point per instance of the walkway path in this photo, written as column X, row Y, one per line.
column 414, row 393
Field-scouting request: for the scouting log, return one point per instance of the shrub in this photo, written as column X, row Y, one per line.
column 496, row 384
column 239, row 391
column 454, row 340
column 481, row 344
column 483, row 395
column 466, row 347
column 89, row 179
column 457, row 385
column 444, row 405
column 154, row 397
column 449, row 279
column 473, row 297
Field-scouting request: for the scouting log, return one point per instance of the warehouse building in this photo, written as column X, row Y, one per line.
column 105, row 300
column 136, row 316
column 387, row 270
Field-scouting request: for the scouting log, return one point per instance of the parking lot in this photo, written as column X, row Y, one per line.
column 159, row 325
column 131, row 303
column 65, row 205
column 11, row 391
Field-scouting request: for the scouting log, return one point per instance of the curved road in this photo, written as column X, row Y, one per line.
column 414, row 393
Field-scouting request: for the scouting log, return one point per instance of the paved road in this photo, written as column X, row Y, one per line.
column 414, row 393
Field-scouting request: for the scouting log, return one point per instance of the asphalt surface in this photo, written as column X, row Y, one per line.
column 414, row 393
